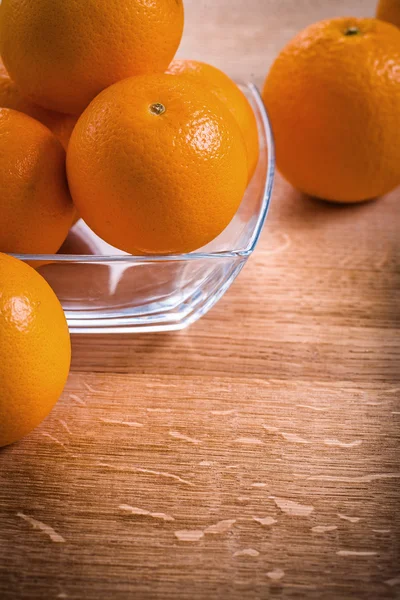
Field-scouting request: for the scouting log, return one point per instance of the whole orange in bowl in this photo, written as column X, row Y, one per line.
column 62, row 54
column 157, row 164
column 389, row 10
column 35, row 349
column 11, row 97
column 333, row 96
column 36, row 210
column 230, row 94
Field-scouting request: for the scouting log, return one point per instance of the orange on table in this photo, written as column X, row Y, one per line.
column 228, row 92
column 35, row 349
column 36, row 209
column 157, row 164
column 389, row 10
column 333, row 96
column 62, row 54
column 11, row 97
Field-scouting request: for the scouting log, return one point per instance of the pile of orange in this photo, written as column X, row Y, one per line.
column 159, row 155
column 98, row 120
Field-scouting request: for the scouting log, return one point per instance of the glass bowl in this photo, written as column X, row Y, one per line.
column 104, row 290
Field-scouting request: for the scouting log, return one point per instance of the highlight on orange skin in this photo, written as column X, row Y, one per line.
column 230, row 94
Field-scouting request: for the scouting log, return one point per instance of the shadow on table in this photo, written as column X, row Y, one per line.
column 340, row 272
column 129, row 353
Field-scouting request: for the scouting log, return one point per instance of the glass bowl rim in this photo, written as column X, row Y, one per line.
column 243, row 253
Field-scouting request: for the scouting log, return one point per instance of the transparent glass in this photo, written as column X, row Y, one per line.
column 104, row 290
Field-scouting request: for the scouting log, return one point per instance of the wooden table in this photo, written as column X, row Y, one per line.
column 253, row 456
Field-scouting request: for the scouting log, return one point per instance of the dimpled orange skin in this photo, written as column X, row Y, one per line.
column 36, row 210
column 157, row 183
column 63, row 53
column 10, row 97
column 228, row 92
column 35, row 349
column 334, row 104
column 389, row 10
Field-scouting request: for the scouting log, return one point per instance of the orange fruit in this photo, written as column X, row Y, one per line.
column 10, row 97
column 35, row 349
column 36, row 209
column 62, row 54
column 389, row 10
column 228, row 92
column 157, row 164
column 333, row 96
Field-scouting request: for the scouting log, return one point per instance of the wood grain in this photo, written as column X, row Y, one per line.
column 255, row 455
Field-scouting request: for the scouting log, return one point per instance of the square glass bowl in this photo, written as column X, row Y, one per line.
column 104, row 290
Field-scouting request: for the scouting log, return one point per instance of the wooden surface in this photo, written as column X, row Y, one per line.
column 253, row 456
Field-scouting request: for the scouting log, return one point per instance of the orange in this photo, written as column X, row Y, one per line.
column 157, row 164
column 35, row 349
column 333, row 96
column 76, row 218
column 36, row 210
column 10, row 97
column 389, row 10
column 228, row 92
column 62, row 54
